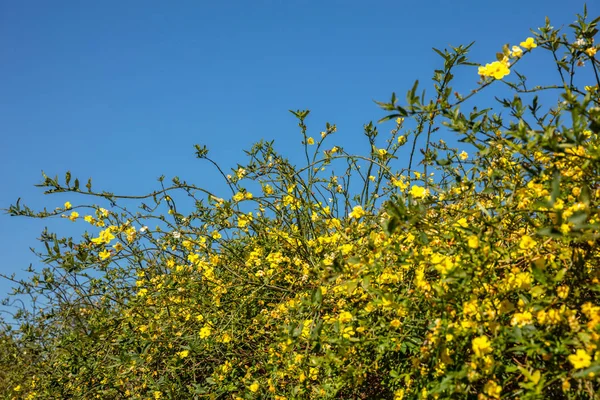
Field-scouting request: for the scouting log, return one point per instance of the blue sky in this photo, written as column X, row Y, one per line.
column 120, row 91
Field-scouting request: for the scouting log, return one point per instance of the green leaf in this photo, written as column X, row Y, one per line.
column 211, row 381
column 351, row 286
column 392, row 116
column 317, row 296
column 316, row 332
column 578, row 218
column 410, row 97
column 555, row 186
column 538, row 274
column 391, row 225
column 560, row 275
column 585, row 372
column 584, row 197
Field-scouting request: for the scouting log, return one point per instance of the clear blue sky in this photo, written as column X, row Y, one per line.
column 121, row 90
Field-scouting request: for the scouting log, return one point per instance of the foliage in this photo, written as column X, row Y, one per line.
column 456, row 276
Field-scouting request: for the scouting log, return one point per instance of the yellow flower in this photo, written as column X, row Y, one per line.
column 473, row 242
column 68, row 205
column 183, row 353
column 521, row 319
column 310, row 141
column 395, row 323
column 267, row 190
column 254, row 387
column 357, row 212
column 348, row 332
column 581, row 359
column 104, row 237
column 562, row 291
column 238, row 196
column 418, row 192
column 344, row 317
column 517, row 52
column 529, row 43
column 104, row 254
column 399, row 183
column 463, row 156
column 157, row 394
column 527, row 243
column 462, row 223
column 591, row 51
column 481, row 345
column 497, row 70
column 74, row 215
column 89, row 219
column 17, row 388
column 226, row 338
column 346, row 248
column 492, row 389
column 205, row 332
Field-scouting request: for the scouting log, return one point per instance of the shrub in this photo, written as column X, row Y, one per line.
column 455, row 276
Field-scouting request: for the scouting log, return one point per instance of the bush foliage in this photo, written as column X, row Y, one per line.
column 456, row 275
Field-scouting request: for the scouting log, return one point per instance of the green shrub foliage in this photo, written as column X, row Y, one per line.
column 445, row 273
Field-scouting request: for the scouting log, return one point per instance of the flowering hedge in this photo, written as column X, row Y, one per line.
column 460, row 274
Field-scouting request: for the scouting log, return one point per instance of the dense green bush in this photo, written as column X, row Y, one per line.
column 456, row 275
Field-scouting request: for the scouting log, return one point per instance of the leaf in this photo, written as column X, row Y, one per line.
column 578, row 218
column 366, row 283
column 392, row 116
column 316, row 332
column 410, row 97
column 538, row 274
column 555, row 186
column 317, row 296
column 385, row 106
column 351, row 286
column 584, row 196
column 560, row 275
column 585, row 372
column 391, row 225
